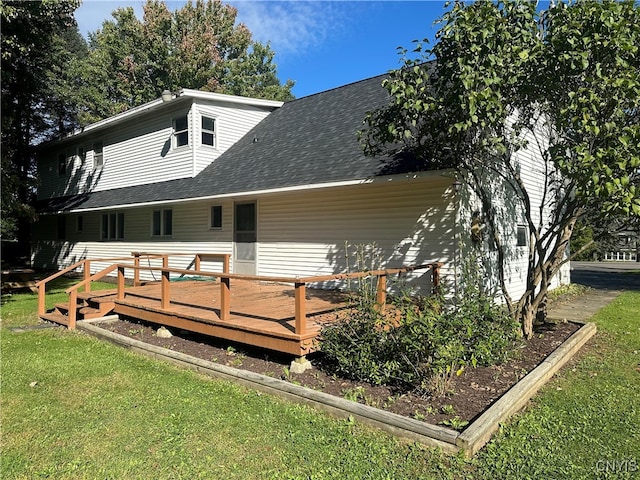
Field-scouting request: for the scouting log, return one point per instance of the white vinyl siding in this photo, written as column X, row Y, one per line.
column 511, row 220
column 142, row 150
column 317, row 232
column 301, row 233
column 232, row 122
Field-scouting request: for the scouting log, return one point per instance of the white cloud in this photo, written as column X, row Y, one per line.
column 92, row 13
column 293, row 27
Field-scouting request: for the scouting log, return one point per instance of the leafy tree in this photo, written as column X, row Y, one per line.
column 198, row 46
column 503, row 77
column 36, row 39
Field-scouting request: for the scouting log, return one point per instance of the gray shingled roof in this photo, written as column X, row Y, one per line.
column 312, row 140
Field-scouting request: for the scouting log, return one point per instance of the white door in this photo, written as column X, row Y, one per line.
column 244, row 238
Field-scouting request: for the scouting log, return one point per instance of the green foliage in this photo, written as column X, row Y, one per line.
column 563, row 83
column 198, row 46
column 586, row 420
column 35, row 39
column 583, row 245
column 99, row 411
column 427, row 346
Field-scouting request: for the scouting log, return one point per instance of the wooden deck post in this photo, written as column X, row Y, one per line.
column 41, row 299
column 435, row 277
column 165, row 261
column 120, row 295
column 381, row 293
column 225, row 298
column 197, row 261
column 225, row 263
column 87, row 275
column 301, row 310
column 73, row 309
column 165, row 295
column 136, row 270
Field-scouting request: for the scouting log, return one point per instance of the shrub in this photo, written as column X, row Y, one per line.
column 427, row 346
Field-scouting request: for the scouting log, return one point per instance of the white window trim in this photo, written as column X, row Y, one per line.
column 118, row 234
column 162, row 233
column 519, row 228
column 211, row 227
column 214, row 132
column 96, row 165
column 175, row 132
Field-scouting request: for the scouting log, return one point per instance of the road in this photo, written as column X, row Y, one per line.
column 607, row 275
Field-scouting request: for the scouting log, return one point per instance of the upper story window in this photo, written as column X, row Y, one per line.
column 208, row 129
column 112, row 226
column 62, row 164
column 98, row 155
column 80, row 152
column 162, row 223
column 180, row 131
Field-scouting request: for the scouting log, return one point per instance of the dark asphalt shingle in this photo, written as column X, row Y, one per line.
column 311, row 140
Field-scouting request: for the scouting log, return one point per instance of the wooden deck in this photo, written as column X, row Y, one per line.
column 261, row 314
column 278, row 313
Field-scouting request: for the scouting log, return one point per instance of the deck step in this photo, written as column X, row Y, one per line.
column 61, row 308
column 98, row 297
column 55, row 318
column 91, row 312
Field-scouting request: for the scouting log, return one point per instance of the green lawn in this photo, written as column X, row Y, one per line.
column 98, row 411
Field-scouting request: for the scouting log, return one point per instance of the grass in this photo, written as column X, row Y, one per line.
column 74, row 407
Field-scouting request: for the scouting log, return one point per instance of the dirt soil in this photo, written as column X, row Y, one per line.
column 470, row 394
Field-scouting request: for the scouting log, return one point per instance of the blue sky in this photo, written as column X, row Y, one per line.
column 318, row 44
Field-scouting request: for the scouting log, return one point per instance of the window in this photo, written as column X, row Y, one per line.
column 62, row 164
column 81, row 153
column 208, row 131
column 216, row 217
column 79, row 224
column 112, row 226
column 522, row 236
column 162, row 223
column 98, row 156
column 61, row 228
column 180, row 131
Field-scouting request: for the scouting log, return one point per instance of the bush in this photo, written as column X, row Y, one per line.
column 420, row 344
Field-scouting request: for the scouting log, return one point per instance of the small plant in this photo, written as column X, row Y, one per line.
column 456, row 423
column 135, row 331
column 354, row 394
column 389, row 401
column 448, row 409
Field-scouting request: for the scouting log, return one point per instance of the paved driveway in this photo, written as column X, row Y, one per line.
column 607, row 275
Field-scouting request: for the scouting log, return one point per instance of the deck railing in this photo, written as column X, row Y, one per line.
column 86, row 273
column 135, row 257
column 299, row 283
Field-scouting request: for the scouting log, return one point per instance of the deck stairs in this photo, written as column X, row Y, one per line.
column 90, row 305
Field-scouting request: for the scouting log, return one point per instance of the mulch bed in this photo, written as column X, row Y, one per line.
column 470, row 394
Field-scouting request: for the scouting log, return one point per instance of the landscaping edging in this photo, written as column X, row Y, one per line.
column 472, row 439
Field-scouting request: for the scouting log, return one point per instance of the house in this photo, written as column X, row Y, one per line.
column 284, row 188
